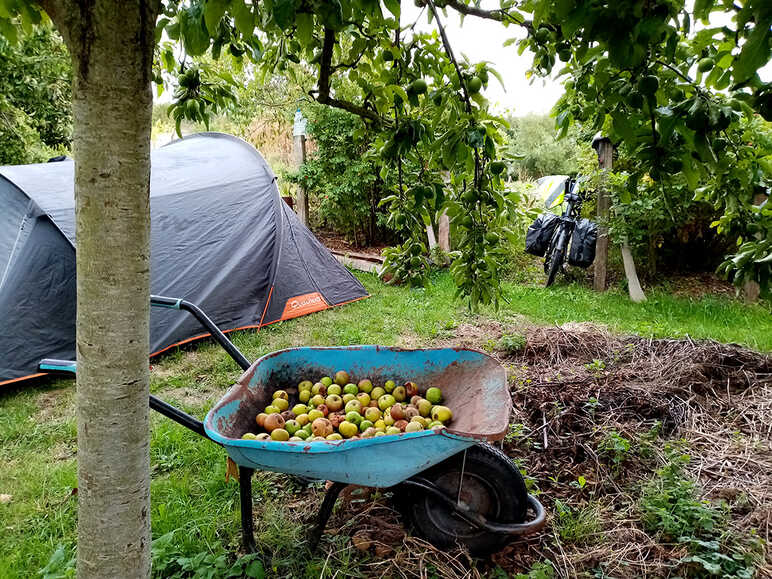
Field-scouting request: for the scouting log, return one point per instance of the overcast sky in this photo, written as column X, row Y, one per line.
column 481, row 39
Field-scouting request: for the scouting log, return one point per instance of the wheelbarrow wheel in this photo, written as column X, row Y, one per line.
column 492, row 486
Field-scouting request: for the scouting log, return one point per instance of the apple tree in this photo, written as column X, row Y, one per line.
column 677, row 86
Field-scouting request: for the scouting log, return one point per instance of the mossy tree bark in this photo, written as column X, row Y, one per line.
column 111, row 44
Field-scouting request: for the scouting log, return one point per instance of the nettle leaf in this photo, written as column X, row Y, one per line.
column 284, row 13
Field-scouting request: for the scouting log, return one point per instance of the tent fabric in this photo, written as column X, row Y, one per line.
column 221, row 237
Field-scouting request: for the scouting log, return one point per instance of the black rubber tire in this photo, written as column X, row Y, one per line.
column 556, row 260
column 493, row 485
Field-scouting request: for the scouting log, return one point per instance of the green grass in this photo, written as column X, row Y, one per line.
column 188, row 491
column 662, row 315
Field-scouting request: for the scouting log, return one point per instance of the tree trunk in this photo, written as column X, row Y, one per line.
column 111, row 43
column 444, row 233
column 633, row 285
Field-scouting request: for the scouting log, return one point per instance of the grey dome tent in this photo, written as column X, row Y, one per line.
column 221, row 237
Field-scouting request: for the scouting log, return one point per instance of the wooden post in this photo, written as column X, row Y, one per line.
column 605, row 155
column 605, row 152
column 299, row 156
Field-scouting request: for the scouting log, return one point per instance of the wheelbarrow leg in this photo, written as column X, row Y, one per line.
column 324, row 513
column 245, row 497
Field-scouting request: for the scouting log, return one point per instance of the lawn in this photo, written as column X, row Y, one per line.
column 191, row 499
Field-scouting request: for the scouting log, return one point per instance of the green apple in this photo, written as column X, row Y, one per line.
column 393, row 430
column 249, row 436
column 414, row 427
column 354, row 405
column 386, row 401
column 334, row 389
column 305, row 385
column 305, row 396
column 434, row 395
column 424, row 407
column 326, row 380
column 442, row 414
column 279, row 434
column 364, row 425
column 348, row 429
column 372, row 414
column 334, row 402
column 291, row 426
column 399, row 393
column 302, row 434
column 377, row 392
column 271, row 409
column 299, row 409
column 351, row 389
column 389, row 386
column 334, row 436
column 365, row 385
column 314, row 414
column 348, row 398
column 302, row 419
column 353, row 417
column 364, row 399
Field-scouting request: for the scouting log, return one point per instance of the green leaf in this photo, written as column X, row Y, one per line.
column 305, row 28
column 284, row 13
column 755, row 52
column 394, row 7
column 690, row 172
column 8, row 31
column 244, row 18
column 213, row 13
column 195, row 38
column 702, row 8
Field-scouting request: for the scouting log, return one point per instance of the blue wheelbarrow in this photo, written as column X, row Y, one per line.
column 449, row 484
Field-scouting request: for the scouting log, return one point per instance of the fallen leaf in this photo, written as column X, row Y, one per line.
column 5, row 498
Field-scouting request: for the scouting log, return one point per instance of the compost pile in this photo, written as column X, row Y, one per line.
column 596, row 418
column 339, row 409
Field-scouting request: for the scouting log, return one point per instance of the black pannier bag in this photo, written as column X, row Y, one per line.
column 582, row 250
column 539, row 234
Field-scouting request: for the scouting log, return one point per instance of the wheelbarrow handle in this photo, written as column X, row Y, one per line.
column 69, row 368
column 477, row 519
column 211, row 327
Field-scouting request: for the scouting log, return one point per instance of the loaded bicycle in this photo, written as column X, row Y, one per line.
column 564, row 237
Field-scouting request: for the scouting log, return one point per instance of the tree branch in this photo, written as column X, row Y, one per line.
column 326, row 69
column 470, row 10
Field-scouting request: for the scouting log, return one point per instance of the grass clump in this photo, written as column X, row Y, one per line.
column 576, row 525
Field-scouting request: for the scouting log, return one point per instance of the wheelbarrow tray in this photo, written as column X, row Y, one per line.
column 473, row 384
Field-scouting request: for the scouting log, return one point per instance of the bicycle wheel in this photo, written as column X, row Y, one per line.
column 555, row 261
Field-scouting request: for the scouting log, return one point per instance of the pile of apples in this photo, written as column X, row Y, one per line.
column 337, row 409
